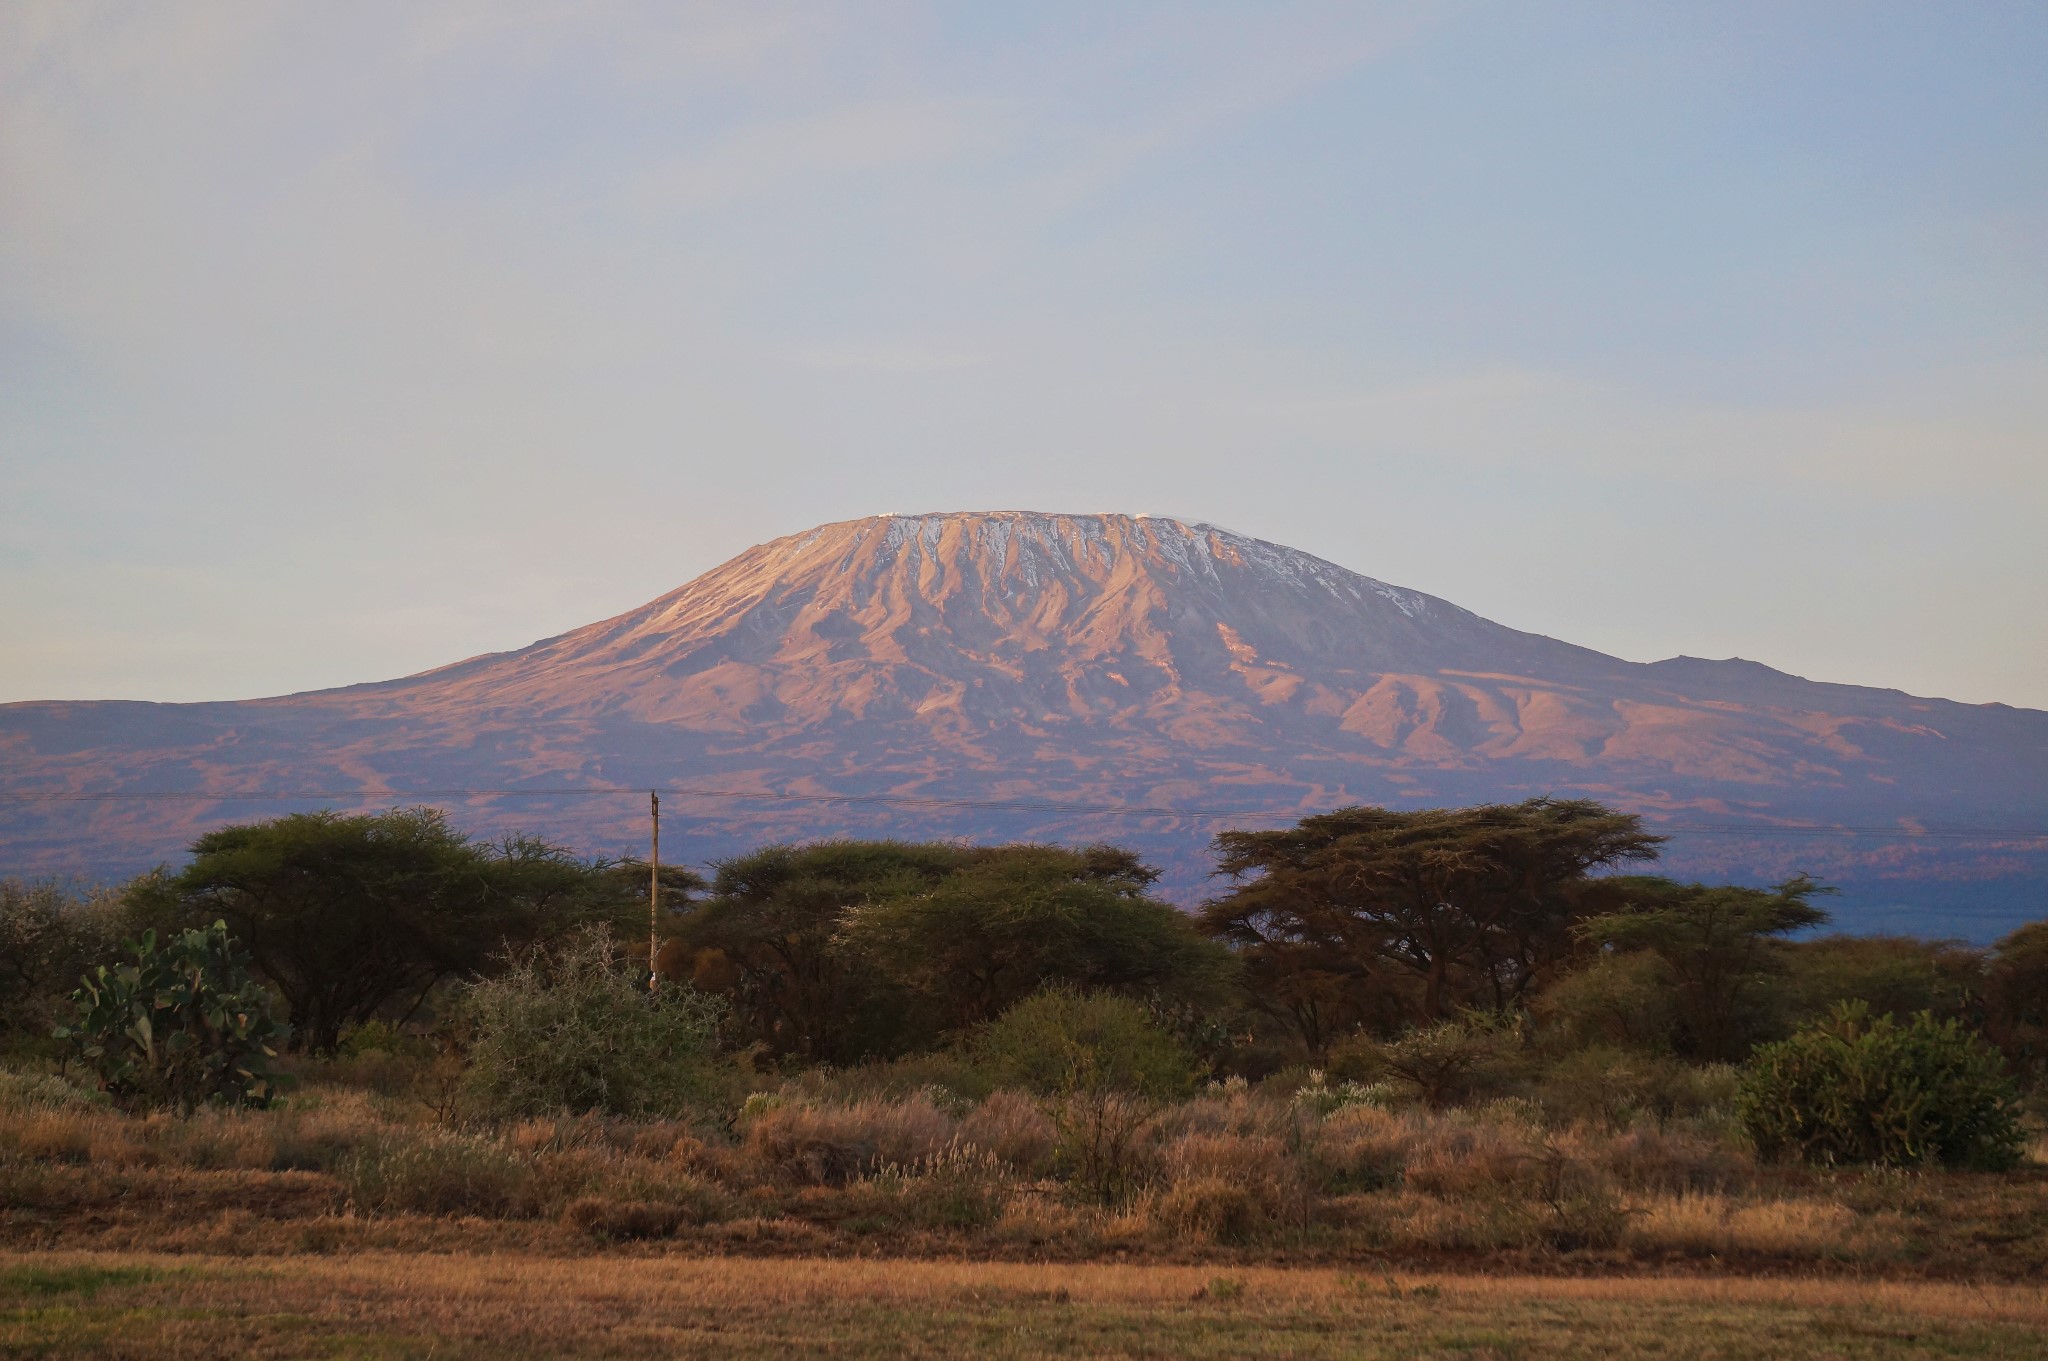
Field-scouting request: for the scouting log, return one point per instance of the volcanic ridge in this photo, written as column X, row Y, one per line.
column 1081, row 659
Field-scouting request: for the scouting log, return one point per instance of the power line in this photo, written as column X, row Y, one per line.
column 917, row 801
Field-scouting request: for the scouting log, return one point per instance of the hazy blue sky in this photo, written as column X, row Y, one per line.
column 342, row 340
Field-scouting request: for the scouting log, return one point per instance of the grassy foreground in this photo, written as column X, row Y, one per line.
column 75, row 1304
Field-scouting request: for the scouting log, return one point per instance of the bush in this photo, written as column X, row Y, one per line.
column 48, row 937
column 1618, row 1087
column 1013, row 1129
column 1452, row 1062
column 1259, row 1170
column 1619, row 1000
column 568, row 1029
column 1860, row 1089
column 1065, row 1043
column 1363, row 1148
column 830, row 1145
column 1100, row 1142
column 183, row 1026
column 686, row 1204
column 1209, row 1209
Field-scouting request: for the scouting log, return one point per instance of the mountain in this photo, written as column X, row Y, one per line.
column 1071, row 659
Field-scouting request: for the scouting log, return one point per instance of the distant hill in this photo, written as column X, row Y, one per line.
column 1091, row 659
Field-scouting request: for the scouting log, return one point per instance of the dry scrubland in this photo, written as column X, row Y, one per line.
column 1657, row 1129
column 1239, row 1175
column 457, row 1305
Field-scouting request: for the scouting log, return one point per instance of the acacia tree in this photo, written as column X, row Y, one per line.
column 765, row 936
column 351, row 916
column 49, row 937
column 2017, row 984
column 1719, row 941
column 1426, row 911
column 1013, row 919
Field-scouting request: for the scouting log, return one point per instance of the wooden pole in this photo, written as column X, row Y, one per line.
column 654, row 892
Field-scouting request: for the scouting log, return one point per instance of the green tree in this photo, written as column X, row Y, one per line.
column 2016, row 988
column 48, row 938
column 767, row 938
column 351, row 916
column 1894, row 975
column 1433, row 910
column 183, row 1026
column 1720, row 943
column 1858, row 1088
column 1012, row 919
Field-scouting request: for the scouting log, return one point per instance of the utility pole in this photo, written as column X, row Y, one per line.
column 654, row 892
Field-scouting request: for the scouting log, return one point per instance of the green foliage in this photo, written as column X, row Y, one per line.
column 1619, row 1000
column 1857, row 1088
column 1428, row 912
column 353, row 916
column 1469, row 1057
column 766, row 938
column 182, row 1026
column 2016, row 995
column 1061, row 1042
column 1619, row 1087
column 1893, row 975
column 1721, row 944
column 568, row 1028
column 1013, row 919
column 48, row 938
column 845, row 951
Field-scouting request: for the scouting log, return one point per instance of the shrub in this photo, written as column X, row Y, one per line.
column 1099, row 1142
column 1622, row 1000
column 1259, row 1168
column 1013, row 1128
column 1363, row 1148
column 48, row 937
column 1211, row 1209
column 957, row 1188
column 686, row 1204
column 1462, row 1157
column 1854, row 1088
column 1470, row 1058
column 830, row 1145
column 1618, row 1087
column 182, row 1026
column 567, row 1028
column 1061, row 1043
column 1650, row 1159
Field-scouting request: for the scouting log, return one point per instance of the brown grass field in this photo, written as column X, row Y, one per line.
column 133, row 1305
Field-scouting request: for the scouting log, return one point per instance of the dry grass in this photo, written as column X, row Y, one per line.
column 1013, row 1127
column 109, row 1305
column 1229, row 1177
column 1713, row 1225
column 829, row 1144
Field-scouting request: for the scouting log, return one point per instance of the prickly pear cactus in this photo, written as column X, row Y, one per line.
column 184, row 1025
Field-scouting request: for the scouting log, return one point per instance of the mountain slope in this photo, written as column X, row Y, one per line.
column 1099, row 659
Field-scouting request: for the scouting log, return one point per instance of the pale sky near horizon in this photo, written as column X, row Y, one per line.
column 342, row 341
